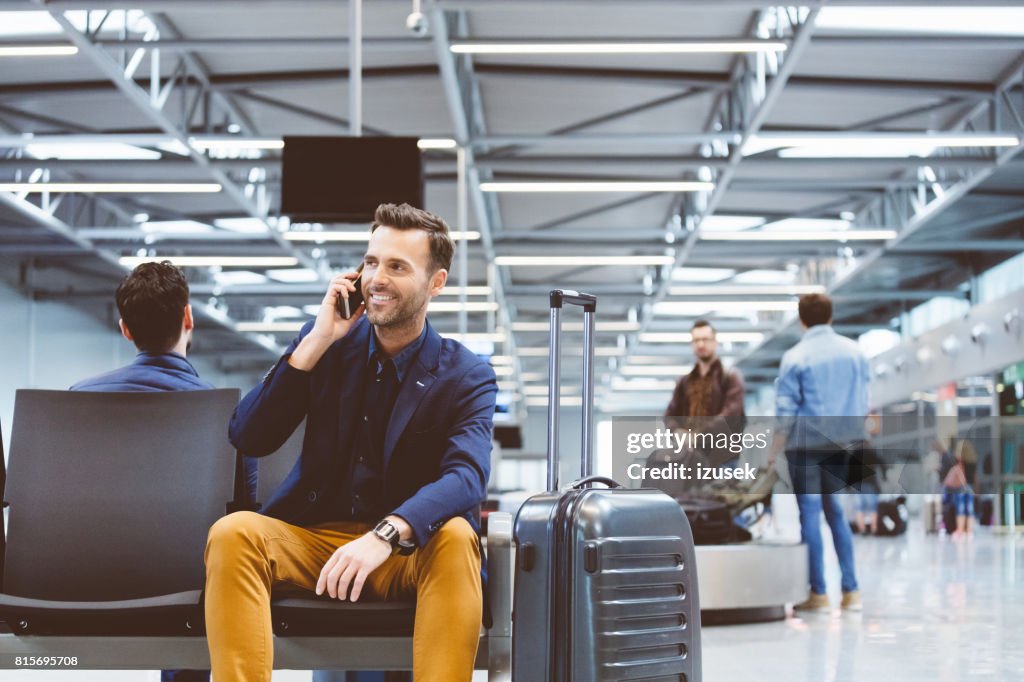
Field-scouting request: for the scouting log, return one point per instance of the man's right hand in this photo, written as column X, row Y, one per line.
column 329, row 325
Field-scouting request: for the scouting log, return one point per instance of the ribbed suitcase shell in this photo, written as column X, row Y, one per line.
column 605, row 589
column 605, row 579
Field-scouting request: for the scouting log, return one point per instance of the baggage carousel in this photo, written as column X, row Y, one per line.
column 750, row 582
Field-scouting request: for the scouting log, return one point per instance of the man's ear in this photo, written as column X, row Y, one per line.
column 187, row 322
column 437, row 282
column 124, row 330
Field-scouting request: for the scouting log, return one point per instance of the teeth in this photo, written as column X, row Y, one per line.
column 378, row 297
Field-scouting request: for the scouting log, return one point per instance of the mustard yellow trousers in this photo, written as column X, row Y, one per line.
column 248, row 554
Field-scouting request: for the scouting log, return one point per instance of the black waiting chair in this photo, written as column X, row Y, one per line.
column 111, row 496
column 275, row 467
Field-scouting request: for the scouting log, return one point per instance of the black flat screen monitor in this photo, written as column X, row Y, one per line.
column 344, row 179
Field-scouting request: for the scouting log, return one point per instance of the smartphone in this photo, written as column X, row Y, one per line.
column 347, row 306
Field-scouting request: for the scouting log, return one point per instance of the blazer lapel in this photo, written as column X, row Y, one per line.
column 414, row 388
column 350, row 373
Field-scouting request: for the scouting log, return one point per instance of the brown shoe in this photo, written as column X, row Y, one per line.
column 852, row 602
column 814, row 602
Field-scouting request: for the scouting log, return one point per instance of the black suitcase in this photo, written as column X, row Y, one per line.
column 605, row 579
column 711, row 521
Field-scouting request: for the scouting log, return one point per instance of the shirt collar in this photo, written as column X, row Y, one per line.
column 716, row 365
column 169, row 360
column 404, row 358
column 818, row 330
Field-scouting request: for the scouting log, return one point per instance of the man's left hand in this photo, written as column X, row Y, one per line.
column 350, row 565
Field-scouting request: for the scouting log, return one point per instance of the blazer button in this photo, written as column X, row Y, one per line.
column 311, row 496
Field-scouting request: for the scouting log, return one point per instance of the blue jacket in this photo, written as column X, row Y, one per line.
column 822, row 390
column 149, row 372
column 437, row 450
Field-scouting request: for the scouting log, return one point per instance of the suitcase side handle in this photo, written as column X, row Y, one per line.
column 589, row 304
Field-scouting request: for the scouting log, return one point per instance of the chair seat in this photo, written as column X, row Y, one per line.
column 325, row 617
column 178, row 614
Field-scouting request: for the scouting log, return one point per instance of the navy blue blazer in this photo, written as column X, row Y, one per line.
column 437, row 449
column 148, row 372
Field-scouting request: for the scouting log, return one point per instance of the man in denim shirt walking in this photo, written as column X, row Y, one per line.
column 821, row 400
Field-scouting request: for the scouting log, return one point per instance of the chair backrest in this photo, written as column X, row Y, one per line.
column 111, row 494
column 274, row 468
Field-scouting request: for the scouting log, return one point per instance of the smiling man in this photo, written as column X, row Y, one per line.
column 383, row 503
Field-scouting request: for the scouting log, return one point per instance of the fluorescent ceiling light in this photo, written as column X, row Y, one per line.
column 495, row 337
column 597, row 186
column 1001, row 21
column 807, row 225
column 454, row 307
column 175, row 227
column 208, row 143
column 358, row 236
column 576, row 326
column 268, row 327
column 533, row 376
column 211, row 261
column 600, row 351
column 113, row 187
column 293, row 275
column 64, row 151
column 247, row 225
column 748, row 290
column 701, row 274
column 507, row 385
column 642, row 385
column 470, row 291
column 686, row 308
column 543, row 390
column 657, row 370
column 436, row 143
column 565, row 401
column 686, row 337
column 839, row 236
column 615, row 46
column 501, row 359
column 730, row 223
column 842, row 145
column 584, row 260
column 503, row 371
column 235, row 278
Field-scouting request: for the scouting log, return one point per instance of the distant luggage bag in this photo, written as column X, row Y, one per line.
column 930, row 513
column 605, row 581
column 711, row 521
column 892, row 517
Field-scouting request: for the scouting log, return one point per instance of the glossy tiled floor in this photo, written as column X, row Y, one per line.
column 935, row 609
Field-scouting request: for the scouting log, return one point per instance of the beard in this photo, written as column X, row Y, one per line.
column 399, row 315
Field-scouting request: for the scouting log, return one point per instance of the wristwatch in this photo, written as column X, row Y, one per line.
column 386, row 531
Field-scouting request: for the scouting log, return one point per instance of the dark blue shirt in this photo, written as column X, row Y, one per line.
column 149, row 372
column 383, row 380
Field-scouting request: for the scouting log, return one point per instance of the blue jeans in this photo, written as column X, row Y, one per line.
column 814, row 474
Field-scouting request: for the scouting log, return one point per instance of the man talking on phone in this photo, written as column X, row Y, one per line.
column 383, row 501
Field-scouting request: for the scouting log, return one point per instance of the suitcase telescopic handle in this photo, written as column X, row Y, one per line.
column 585, row 482
column 588, row 302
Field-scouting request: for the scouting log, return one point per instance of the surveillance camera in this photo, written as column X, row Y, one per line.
column 417, row 24
column 979, row 332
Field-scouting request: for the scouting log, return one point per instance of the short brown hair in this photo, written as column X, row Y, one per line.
column 704, row 323
column 406, row 217
column 815, row 309
column 152, row 300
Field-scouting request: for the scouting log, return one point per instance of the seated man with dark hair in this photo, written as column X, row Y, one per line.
column 156, row 316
